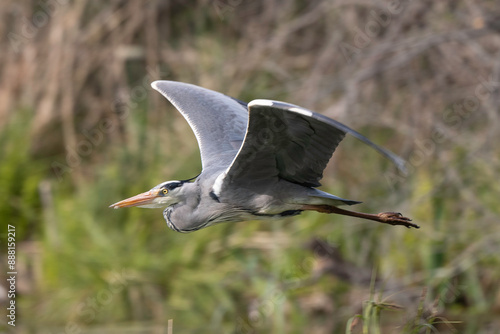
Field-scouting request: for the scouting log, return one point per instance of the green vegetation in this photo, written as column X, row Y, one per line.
column 81, row 129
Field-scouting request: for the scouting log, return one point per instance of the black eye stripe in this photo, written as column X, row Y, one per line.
column 172, row 185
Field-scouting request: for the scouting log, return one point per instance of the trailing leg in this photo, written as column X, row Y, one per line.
column 392, row 218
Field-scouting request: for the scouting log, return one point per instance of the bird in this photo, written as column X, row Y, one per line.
column 260, row 161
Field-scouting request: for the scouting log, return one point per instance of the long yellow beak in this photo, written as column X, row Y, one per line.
column 145, row 198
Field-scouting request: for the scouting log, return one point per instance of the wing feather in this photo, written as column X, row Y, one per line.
column 284, row 141
column 218, row 121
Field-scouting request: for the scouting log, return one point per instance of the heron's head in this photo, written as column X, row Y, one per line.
column 161, row 196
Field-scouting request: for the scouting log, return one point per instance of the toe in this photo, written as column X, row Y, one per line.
column 396, row 218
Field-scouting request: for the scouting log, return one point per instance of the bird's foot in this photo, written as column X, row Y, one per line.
column 396, row 218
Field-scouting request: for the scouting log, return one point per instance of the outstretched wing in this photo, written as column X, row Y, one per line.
column 284, row 141
column 218, row 121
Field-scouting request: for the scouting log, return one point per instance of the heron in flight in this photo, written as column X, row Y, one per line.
column 260, row 161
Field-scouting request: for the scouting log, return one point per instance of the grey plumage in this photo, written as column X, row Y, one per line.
column 260, row 163
column 218, row 121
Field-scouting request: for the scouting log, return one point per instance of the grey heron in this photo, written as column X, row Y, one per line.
column 260, row 161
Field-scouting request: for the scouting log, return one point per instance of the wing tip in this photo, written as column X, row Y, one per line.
column 155, row 84
column 400, row 164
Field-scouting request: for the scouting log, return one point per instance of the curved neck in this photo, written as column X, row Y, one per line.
column 185, row 216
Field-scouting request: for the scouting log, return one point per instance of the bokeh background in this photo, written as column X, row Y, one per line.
column 81, row 129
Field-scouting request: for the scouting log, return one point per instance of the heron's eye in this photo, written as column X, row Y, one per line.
column 165, row 191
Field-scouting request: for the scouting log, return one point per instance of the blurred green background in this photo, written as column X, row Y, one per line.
column 81, row 129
